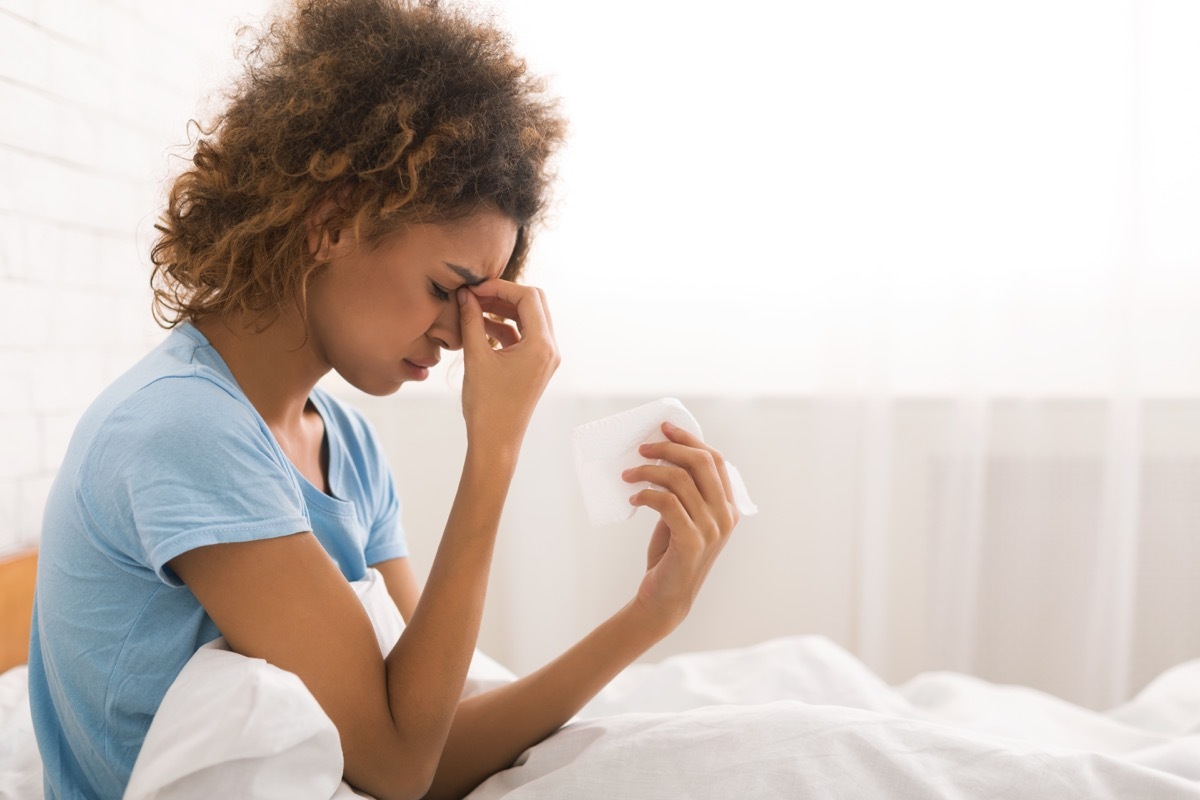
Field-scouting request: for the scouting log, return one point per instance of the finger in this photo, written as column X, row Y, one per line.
column 470, row 321
column 501, row 308
column 676, row 434
column 529, row 311
column 700, row 462
column 678, row 481
column 505, row 334
column 546, row 309
column 672, row 512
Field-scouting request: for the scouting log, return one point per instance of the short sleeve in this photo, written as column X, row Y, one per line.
column 183, row 463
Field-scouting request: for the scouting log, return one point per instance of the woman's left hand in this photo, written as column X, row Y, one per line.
column 697, row 514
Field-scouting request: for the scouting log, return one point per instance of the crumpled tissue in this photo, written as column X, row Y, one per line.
column 607, row 447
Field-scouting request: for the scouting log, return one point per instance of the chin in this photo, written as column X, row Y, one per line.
column 373, row 385
column 383, row 390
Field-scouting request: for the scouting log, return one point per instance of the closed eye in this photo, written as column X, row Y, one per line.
column 438, row 292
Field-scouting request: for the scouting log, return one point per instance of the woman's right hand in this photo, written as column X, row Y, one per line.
column 502, row 385
column 694, row 498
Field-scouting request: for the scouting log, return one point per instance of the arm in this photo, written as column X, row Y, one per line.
column 697, row 515
column 283, row 600
column 401, row 584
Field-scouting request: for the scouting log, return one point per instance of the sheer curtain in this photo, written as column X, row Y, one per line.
column 927, row 273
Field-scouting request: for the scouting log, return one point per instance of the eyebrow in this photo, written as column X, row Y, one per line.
column 469, row 277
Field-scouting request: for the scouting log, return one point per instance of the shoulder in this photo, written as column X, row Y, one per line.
column 179, row 380
column 194, row 421
column 197, row 404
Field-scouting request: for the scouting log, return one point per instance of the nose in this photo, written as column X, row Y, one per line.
column 446, row 330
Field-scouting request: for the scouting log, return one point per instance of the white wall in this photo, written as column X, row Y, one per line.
column 93, row 95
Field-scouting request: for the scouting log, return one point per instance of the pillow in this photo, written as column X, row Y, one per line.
column 232, row 726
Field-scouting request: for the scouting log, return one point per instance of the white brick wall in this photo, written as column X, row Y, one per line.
column 93, row 95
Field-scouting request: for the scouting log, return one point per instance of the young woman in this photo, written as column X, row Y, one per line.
column 364, row 204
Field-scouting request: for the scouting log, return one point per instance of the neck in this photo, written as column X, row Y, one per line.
column 277, row 367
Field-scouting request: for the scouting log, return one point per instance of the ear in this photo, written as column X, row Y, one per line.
column 321, row 240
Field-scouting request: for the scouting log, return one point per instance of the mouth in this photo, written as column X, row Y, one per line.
column 418, row 369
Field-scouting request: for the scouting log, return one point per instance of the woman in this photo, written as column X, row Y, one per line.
column 364, row 204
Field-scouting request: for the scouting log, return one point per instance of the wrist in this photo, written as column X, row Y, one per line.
column 493, row 455
column 644, row 625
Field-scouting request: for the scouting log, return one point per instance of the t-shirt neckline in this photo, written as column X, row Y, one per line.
column 329, row 502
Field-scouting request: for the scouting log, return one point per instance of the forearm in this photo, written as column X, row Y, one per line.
column 490, row 730
column 428, row 665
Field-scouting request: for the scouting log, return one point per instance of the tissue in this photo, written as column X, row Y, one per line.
column 607, row 447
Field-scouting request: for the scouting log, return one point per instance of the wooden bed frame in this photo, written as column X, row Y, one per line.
column 17, row 574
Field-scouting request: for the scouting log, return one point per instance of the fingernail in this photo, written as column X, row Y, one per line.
column 627, row 473
column 669, row 427
column 644, row 449
column 462, row 297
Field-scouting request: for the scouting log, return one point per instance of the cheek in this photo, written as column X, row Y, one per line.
column 390, row 323
column 375, row 312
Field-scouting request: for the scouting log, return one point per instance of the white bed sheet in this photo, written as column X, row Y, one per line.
column 717, row 725
column 794, row 717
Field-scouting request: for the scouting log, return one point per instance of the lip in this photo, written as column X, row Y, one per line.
column 418, row 370
column 424, row 363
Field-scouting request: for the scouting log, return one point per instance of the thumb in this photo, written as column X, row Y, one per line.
column 470, row 321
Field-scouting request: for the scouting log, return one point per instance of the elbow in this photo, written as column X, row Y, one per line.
column 419, row 776
column 422, row 782
column 412, row 782
column 417, row 788
column 410, row 790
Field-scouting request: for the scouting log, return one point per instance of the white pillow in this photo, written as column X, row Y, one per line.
column 232, row 726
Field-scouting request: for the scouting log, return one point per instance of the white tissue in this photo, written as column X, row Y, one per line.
column 607, row 447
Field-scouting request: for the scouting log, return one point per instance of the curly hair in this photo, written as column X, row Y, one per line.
column 370, row 114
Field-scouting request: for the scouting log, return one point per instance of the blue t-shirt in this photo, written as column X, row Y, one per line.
column 171, row 457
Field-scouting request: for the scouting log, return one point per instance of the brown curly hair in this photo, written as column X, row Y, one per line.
column 397, row 112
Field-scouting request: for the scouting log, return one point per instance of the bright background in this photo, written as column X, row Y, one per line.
column 925, row 271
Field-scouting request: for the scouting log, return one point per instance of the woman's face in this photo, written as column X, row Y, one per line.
column 381, row 316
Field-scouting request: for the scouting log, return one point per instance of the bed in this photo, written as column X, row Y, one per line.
column 792, row 717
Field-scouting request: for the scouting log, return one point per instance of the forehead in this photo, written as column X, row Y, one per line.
column 477, row 247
